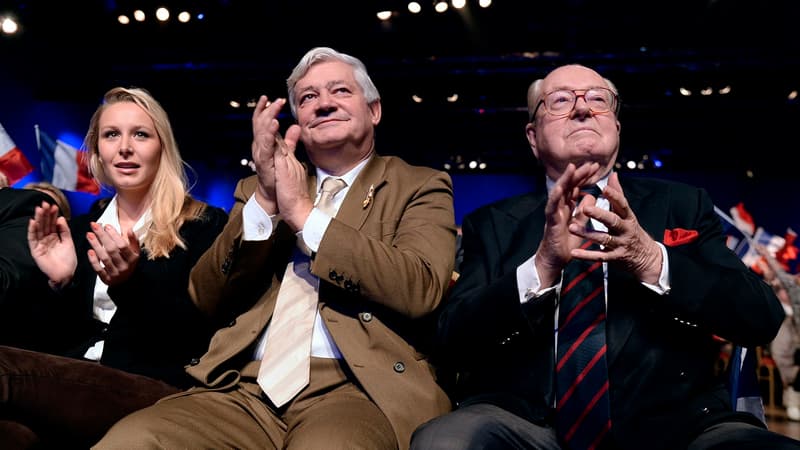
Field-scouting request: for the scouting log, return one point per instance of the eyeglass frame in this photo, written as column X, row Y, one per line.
column 575, row 102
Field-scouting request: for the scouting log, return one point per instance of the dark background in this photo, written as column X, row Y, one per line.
column 740, row 146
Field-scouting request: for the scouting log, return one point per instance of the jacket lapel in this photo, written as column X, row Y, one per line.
column 362, row 194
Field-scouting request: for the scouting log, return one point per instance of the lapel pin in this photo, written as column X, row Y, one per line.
column 367, row 200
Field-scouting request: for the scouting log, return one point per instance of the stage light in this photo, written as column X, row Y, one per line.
column 384, row 15
column 123, row 19
column 8, row 25
column 414, row 7
column 458, row 4
column 162, row 14
column 139, row 15
column 184, row 17
column 440, row 6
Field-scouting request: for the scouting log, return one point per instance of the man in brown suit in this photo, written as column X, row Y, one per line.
column 382, row 264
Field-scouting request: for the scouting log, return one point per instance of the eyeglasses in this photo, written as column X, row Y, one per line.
column 561, row 102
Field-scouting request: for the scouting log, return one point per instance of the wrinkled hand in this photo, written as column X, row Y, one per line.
column 112, row 256
column 294, row 202
column 555, row 248
column 626, row 243
column 265, row 143
column 50, row 242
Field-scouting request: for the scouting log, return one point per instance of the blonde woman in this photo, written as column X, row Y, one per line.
column 122, row 270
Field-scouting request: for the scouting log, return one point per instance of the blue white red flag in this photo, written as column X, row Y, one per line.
column 65, row 166
column 13, row 162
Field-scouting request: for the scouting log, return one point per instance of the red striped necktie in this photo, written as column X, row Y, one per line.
column 582, row 408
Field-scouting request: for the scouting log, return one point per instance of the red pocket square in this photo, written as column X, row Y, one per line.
column 679, row 236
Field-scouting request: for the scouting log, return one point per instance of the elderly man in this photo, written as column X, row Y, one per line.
column 584, row 316
column 375, row 255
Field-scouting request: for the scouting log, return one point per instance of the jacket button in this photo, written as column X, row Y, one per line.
column 332, row 275
column 194, row 361
column 348, row 285
column 399, row 367
column 366, row 317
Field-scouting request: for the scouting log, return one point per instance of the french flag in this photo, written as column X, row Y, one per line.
column 743, row 220
column 13, row 162
column 64, row 165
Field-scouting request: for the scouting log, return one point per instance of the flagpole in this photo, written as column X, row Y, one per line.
column 729, row 219
column 38, row 142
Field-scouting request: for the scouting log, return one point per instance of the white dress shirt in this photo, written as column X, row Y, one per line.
column 103, row 308
column 258, row 226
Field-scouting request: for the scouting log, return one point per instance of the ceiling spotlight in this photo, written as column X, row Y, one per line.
column 440, row 6
column 384, row 15
column 685, row 92
column 414, row 7
column 184, row 17
column 234, row 104
column 162, row 14
column 8, row 25
column 139, row 15
column 123, row 19
column 725, row 90
column 792, row 95
column 485, row 3
column 631, row 164
column 244, row 161
column 416, row 98
column 453, row 98
column 707, row 91
column 458, row 4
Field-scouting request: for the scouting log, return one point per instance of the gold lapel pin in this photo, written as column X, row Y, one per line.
column 368, row 199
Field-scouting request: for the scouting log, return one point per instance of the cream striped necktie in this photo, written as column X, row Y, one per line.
column 284, row 370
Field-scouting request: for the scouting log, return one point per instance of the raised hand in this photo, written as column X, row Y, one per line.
column 113, row 256
column 50, row 242
column 265, row 143
column 294, row 202
column 555, row 248
column 626, row 243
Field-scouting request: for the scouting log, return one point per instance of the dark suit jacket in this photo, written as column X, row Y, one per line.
column 156, row 330
column 661, row 353
column 28, row 311
column 384, row 266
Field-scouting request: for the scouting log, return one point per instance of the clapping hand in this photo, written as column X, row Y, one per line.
column 50, row 242
column 113, row 256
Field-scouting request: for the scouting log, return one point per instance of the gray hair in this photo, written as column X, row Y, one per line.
column 321, row 54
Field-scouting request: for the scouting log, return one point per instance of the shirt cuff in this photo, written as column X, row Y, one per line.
column 663, row 287
column 258, row 225
column 315, row 227
column 528, row 281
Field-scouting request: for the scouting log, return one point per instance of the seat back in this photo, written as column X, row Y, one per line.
column 743, row 382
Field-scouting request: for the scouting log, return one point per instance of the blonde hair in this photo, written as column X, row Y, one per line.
column 55, row 193
column 171, row 205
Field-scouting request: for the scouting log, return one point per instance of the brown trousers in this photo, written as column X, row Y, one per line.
column 330, row 413
column 57, row 402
